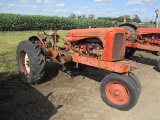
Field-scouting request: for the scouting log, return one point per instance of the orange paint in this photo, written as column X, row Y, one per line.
column 142, row 31
column 106, row 35
column 117, row 93
column 118, row 66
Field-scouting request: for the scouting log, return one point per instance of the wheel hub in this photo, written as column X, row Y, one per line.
column 117, row 93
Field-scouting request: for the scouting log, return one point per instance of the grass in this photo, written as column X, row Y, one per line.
column 8, row 46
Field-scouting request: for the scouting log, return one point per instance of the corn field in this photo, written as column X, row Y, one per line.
column 16, row 22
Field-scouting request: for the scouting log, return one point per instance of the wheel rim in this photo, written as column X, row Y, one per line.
column 24, row 63
column 117, row 93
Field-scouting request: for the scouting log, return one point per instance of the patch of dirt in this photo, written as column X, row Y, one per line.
column 75, row 95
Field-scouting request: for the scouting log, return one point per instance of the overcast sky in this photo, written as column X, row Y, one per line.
column 145, row 9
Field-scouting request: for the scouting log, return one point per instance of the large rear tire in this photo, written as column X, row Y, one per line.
column 30, row 62
column 119, row 91
column 130, row 51
column 132, row 32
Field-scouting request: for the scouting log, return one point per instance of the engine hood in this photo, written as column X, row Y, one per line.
column 101, row 33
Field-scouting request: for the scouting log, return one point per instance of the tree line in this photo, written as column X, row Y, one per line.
column 83, row 16
column 125, row 18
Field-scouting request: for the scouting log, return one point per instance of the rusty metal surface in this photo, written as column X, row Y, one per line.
column 119, row 66
column 141, row 31
column 106, row 35
column 113, row 48
column 147, row 39
column 79, row 34
column 118, row 46
column 142, row 46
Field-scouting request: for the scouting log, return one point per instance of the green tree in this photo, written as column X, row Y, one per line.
column 136, row 19
column 114, row 19
column 72, row 16
column 105, row 18
column 91, row 16
column 127, row 17
column 83, row 16
column 79, row 16
column 109, row 18
column 120, row 19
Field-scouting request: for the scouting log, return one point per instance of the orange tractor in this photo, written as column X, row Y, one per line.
column 103, row 48
column 140, row 38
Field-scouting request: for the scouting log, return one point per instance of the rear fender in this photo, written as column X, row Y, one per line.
column 38, row 40
column 128, row 24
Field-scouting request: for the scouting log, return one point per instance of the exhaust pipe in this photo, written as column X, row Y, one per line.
column 157, row 19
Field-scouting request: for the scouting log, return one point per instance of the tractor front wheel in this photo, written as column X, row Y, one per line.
column 119, row 91
column 136, row 80
column 129, row 52
column 30, row 62
column 158, row 66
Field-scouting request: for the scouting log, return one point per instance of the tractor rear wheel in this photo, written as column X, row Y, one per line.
column 119, row 91
column 132, row 32
column 130, row 51
column 30, row 62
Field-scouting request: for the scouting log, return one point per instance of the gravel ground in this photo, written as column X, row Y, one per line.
column 64, row 97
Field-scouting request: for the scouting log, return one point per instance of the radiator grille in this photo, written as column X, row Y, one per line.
column 118, row 46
